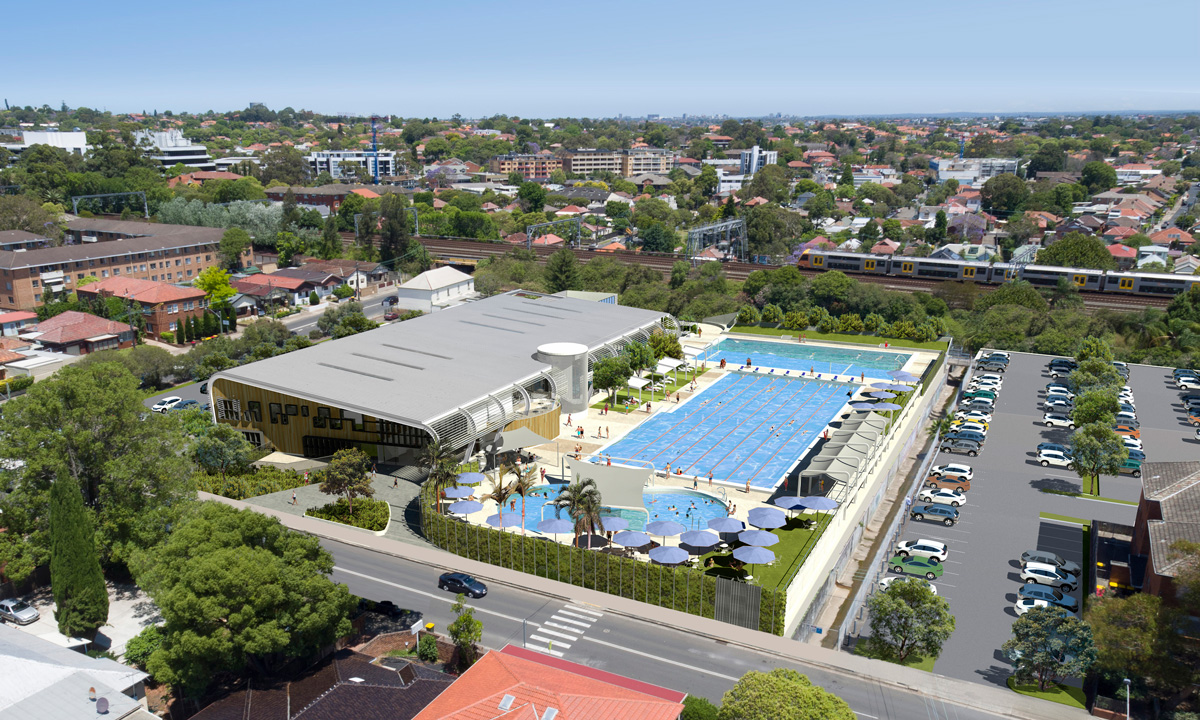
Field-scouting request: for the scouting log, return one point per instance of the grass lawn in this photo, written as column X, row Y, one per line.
column 1087, row 496
column 919, row 662
column 1064, row 518
column 934, row 346
column 671, row 388
column 1061, row 694
column 795, row 543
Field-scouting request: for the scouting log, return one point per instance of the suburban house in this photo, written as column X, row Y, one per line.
column 163, row 305
column 296, row 284
column 1186, row 265
column 1168, row 512
column 1123, row 254
column 78, row 333
column 356, row 274
column 1166, row 236
column 438, row 288
column 12, row 322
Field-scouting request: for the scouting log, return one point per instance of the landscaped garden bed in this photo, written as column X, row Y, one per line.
column 368, row 514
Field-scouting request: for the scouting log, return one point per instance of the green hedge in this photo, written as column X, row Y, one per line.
column 368, row 514
column 684, row 589
column 263, row 481
column 931, row 372
column 13, row 384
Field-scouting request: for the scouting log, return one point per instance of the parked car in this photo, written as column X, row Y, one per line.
column 391, row 315
column 923, row 567
column 1056, row 447
column 968, row 447
column 989, row 376
column 1127, row 418
column 956, row 469
column 997, row 357
column 885, row 583
column 457, row 582
column 1121, row 368
column 185, row 405
column 1057, row 419
column 1131, row 467
column 1001, row 353
column 204, row 388
column 1131, row 442
column 950, row 482
column 963, row 425
column 1057, row 403
column 1024, row 605
column 1049, row 575
column 1188, row 382
column 1046, row 458
column 987, row 382
column 166, row 404
column 1182, row 371
column 932, row 549
column 1049, row 594
column 976, row 415
column 974, row 435
column 1123, row 406
column 947, row 515
column 18, row 611
column 1125, row 429
column 1070, row 362
column 1046, row 557
column 976, row 405
column 943, row 497
column 1136, row 454
column 1059, row 391
column 972, row 394
column 1194, row 417
column 997, row 365
column 1061, row 371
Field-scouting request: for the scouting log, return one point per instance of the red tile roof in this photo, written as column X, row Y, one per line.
column 72, row 327
column 147, row 292
column 1122, row 251
column 538, row 683
column 368, row 194
column 17, row 316
column 1166, row 236
column 7, row 356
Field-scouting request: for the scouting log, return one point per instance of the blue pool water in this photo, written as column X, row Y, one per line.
column 655, row 501
column 745, row 426
column 803, row 357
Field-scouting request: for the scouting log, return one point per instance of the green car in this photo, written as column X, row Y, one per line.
column 927, row 568
column 972, row 394
column 1131, row 466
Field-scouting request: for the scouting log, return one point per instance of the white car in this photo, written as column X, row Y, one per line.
column 977, row 403
column 886, row 582
column 931, row 549
column 1057, row 403
column 989, row 376
column 970, row 415
column 1044, row 574
column 1132, row 443
column 166, row 404
column 942, row 496
column 968, row 425
column 1126, row 415
column 1059, row 391
column 1056, row 419
column 955, row 469
column 1000, row 353
column 1024, row 605
column 1188, row 382
column 1046, row 458
column 985, row 385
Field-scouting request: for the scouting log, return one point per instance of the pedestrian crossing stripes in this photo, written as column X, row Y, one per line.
column 562, row 630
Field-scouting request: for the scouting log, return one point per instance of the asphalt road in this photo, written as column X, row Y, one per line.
column 190, row 392
column 649, row 652
column 1002, row 517
column 305, row 321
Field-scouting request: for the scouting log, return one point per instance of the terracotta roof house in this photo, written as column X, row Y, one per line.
column 1166, row 236
column 571, row 210
column 12, row 322
column 757, row 200
column 1168, row 511
column 519, row 684
column 885, row 247
column 163, row 305
column 297, row 283
column 346, row 685
column 517, row 238
column 202, row 176
column 78, row 333
column 1117, row 233
column 799, row 165
column 1123, row 254
column 548, row 239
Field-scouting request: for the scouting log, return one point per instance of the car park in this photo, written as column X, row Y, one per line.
column 972, row 435
column 885, row 583
column 18, row 611
column 946, row 515
column 932, row 549
column 1046, row 458
column 1055, row 419
column 942, row 497
column 1024, row 605
column 1046, row 557
column 1049, row 575
column 950, row 482
column 924, row 567
column 457, row 582
column 976, row 415
column 166, row 404
column 968, row 447
column 1049, row 594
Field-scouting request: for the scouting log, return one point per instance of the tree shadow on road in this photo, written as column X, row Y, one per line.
column 1056, row 485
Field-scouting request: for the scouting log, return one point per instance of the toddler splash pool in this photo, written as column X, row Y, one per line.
column 690, row 507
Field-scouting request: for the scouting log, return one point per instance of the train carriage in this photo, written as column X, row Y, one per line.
column 1048, row 276
column 1135, row 283
column 930, row 269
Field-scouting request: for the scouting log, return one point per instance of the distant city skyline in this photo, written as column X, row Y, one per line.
column 535, row 59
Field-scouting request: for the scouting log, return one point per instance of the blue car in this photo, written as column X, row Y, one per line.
column 946, row 514
column 463, row 583
column 1055, row 447
column 1050, row 595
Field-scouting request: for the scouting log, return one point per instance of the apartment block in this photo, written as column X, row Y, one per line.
column 972, row 171
column 625, row 163
column 341, row 164
column 163, row 305
column 530, row 166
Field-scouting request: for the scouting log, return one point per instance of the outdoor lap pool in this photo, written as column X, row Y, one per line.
column 656, row 506
column 744, row 427
column 802, row 357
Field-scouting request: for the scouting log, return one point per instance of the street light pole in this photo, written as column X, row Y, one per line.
column 1126, row 681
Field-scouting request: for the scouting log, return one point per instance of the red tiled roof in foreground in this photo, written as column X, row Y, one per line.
column 538, row 682
column 149, row 292
column 73, row 326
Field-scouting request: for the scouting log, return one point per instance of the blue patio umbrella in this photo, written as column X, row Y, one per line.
column 631, row 538
column 754, row 555
column 885, row 406
column 882, row 395
column 458, row 492
column 699, row 538
column 466, row 507
column 663, row 528
column 788, row 502
column 668, row 555
column 893, row 388
column 554, row 526
column 613, row 524
column 503, row 520
column 761, row 538
column 862, row 406
column 470, row 478
column 726, row 524
column 818, row 502
column 898, row 373
column 766, row 518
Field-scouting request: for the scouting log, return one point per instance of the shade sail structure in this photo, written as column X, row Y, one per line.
column 788, row 502
column 619, row 486
column 470, row 478
column 591, row 541
column 665, row 528
column 754, row 555
column 503, row 520
column 668, row 555
column 726, row 524
column 631, row 538
column 637, row 383
column 818, row 502
column 457, row 493
column 671, row 363
column 761, row 538
column 518, row 438
column 831, row 468
column 699, row 538
column 613, row 524
column 766, row 518
column 466, row 507
column 554, row 526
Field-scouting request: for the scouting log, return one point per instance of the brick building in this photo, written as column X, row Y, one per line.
column 625, row 163
column 104, row 249
column 163, row 305
column 1168, row 512
column 531, row 166
column 78, row 333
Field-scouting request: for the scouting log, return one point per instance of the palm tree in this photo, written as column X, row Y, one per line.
column 1175, row 332
column 501, row 492
column 939, row 427
column 524, row 483
column 442, row 463
column 581, row 500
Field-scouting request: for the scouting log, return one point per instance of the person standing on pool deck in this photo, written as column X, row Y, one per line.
column 695, row 482
column 569, row 423
column 747, row 487
column 710, row 478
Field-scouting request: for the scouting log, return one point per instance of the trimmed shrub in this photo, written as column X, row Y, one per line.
column 827, row 324
column 168, row 337
column 795, row 320
column 850, row 323
column 368, row 514
column 873, row 322
column 772, row 314
column 263, row 481
column 427, row 649
column 748, row 315
column 313, row 298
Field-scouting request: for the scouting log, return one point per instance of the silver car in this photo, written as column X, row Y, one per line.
column 18, row 611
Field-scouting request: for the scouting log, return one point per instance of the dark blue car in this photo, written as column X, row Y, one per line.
column 462, row 583
column 1050, row 595
column 946, row 514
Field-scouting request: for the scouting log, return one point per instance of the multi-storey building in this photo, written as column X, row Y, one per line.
column 72, row 142
column 163, row 305
column 171, row 148
column 625, row 163
column 103, row 249
column 331, row 196
column 756, row 159
column 530, row 166
column 972, row 171
column 341, row 164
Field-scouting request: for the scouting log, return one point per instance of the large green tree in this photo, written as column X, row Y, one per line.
column 781, row 694
column 657, row 238
column 1096, row 406
column 347, row 475
column 1094, row 347
column 1077, row 250
column 80, row 596
column 1048, row 644
column 222, row 448
column 1098, row 176
column 1141, row 637
column 562, row 272
column 532, row 196
column 1004, row 193
column 908, row 618
column 1018, row 292
column 234, row 242
column 611, row 374
column 1097, row 450
column 238, row 591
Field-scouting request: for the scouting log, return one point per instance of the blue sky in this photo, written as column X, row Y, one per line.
column 549, row 59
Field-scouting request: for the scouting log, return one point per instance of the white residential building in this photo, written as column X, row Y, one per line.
column 972, row 171
column 171, row 148
column 728, row 182
column 72, row 142
column 756, row 159
column 342, row 164
column 436, row 289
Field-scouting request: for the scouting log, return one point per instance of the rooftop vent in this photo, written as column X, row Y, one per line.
column 506, row 702
column 356, row 680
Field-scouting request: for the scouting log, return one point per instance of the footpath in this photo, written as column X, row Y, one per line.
column 937, row 687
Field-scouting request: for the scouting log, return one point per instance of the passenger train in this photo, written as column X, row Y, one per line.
column 1101, row 281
